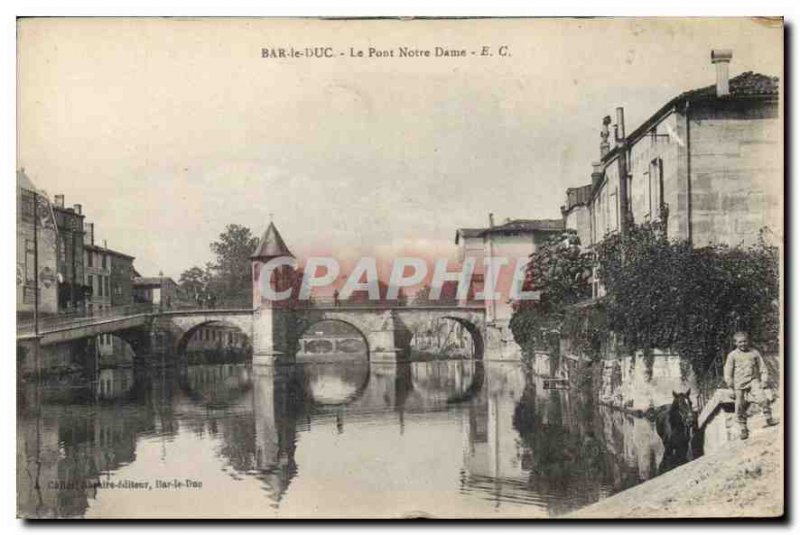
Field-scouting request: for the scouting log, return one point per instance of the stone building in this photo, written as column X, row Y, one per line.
column 707, row 166
column 72, row 291
column 46, row 237
column 512, row 240
column 161, row 291
column 517, row 238
column 576, row 212
column 109, row 274
column 217, row 336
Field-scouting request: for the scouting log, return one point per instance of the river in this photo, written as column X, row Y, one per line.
column 453, row 438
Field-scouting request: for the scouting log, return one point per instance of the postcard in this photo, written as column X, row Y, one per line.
column 481, row 268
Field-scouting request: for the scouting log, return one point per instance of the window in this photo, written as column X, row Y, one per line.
column 62, row 249
column 105, row 261
column 30, row 274
column 656, row 187
column 89, row 259
column 108, row 286
column 26, row 206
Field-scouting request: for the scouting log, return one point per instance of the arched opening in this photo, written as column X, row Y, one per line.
column 332, row 363
column 111, row 351
column 215, row 342
column 446, row 338
column 332, row 340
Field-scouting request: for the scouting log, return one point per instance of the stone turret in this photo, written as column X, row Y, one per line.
column 271, row 246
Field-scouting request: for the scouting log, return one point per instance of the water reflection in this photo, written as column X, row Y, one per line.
column 330, row 439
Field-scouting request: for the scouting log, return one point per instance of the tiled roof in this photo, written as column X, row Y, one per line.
column 515, row 225
column 546, row 225
column 747, row 84
column 106, row 250
column 24, row 181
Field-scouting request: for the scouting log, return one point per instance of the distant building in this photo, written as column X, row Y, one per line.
column 47, row 235
column 72, row 291
column 706, row 167
column 161, row 291
column 577, row 214
column 514, row 239
column 109, row 274
column 217, row 336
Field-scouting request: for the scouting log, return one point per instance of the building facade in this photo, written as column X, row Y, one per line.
column 514, row 239
column 703, row 167
column 109, row 274
column 72, row 291
column 160, row 291
column 45, row 239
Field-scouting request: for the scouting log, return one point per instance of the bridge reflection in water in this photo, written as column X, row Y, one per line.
column 344, row 439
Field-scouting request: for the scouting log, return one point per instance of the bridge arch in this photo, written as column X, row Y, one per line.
column 192, row 333
column 176, row 328
column 308, row 325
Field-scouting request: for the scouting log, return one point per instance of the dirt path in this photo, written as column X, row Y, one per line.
column 744, row 480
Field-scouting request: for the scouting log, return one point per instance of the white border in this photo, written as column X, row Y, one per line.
column 11, row 9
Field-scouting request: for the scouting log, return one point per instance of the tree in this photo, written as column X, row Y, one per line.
column 561, row 272
column 231, row 275
column 194, row 284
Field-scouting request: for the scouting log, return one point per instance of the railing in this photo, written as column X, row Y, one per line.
column 54, row 322
column 329, row 302
column 49, row 323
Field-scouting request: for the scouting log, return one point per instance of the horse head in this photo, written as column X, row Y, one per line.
column 682, row 404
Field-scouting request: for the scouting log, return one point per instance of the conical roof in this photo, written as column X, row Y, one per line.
column 24, row 181
column 271, row 244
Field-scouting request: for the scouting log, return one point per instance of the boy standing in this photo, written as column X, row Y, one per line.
column 746, row 373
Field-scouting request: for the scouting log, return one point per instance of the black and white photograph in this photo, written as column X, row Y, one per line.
column 392, row 268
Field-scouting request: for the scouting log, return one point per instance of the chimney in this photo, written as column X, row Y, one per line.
column 90, row 233
column 721, row 58
column 59, row 200
column 78, row 209
column 604, row 133
column 597, row 173
column 619, row 127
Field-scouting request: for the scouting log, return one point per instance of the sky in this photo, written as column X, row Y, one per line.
column 167, row 130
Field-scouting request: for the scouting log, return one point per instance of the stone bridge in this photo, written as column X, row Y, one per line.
column 275, row 332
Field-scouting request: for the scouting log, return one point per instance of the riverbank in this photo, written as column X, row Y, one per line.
column 743, row 480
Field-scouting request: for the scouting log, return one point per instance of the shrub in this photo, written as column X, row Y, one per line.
column 668, row 295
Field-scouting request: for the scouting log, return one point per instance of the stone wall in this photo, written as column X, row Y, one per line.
column 625, row 382
column 736, row 173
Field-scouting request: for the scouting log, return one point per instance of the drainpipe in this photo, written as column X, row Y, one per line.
column 686, row 111
column 622, row 165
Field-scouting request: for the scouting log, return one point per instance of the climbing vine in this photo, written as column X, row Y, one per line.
column 668, row 295
column 560, row 271
column 659, row 294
